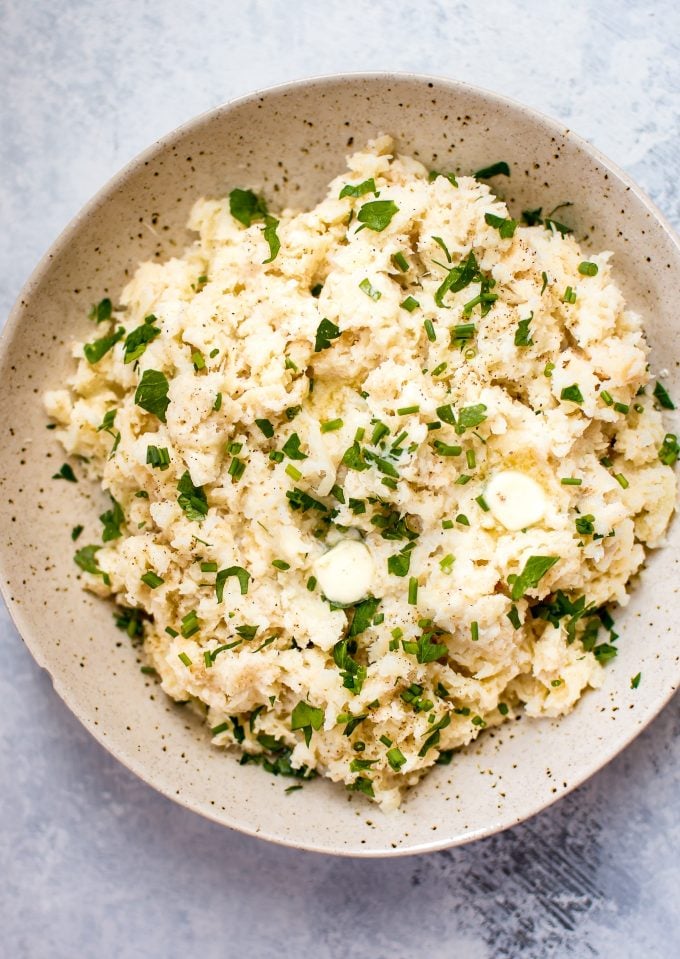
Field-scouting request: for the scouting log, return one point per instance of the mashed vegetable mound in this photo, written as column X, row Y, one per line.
column 376, row 468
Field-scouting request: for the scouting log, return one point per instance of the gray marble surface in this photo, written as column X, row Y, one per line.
column 94, row 863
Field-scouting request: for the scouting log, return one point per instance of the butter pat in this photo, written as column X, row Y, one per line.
column 515, row 499
column 345, row 572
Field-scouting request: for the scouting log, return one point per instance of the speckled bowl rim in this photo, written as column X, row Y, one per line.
column 21, row 620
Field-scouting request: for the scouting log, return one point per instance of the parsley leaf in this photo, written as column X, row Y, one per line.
column 353, row 675
column 326, row 332
column 245, row 206
column 377, row 215
column 534, row 570
column 458, row 278
column 572, row 393
column 358, row 189
column 496, row 169
column 522, row 334
column 112, row 519
column 363, row 615
column 192, row 499
column 66, row 473
column 505, row 226
column 307, row 718
column 98, row 348
column 292, row 448
column 136, row 341
column 469, row 417
column 152, row 393
column 242, row 575
column 399, row 564
column 101, row 311
column 270, row 235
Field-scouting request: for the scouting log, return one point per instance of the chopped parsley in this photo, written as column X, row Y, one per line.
column 469, row 417
column 266, row 427
column 242, row 575
column 585, row 525
column 245, row 206
column 522, row 334
column 98, row 348
column 112, row 521
column 358, row 189
column 662, row 397
column 496, row 169
column 572, row 393
column 66, row 473
column 534, row 570
column 101, row 312
column 76, row 531
column 292, row 448
column 326, row 332
column 307, row 718
column 137, row 341
column 363, row 615
column 270, row 235
column 505, row 226
column 635, row 681
column 399, row 564
column 457, row 279
column 152, row 393
column 192, row 499
column 377, row 215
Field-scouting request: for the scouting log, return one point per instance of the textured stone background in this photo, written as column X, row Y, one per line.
column 95, row 864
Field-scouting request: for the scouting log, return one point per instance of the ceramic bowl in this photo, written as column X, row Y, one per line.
column 290, row 141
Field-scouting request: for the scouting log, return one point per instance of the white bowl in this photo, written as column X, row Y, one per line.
column 290, row 141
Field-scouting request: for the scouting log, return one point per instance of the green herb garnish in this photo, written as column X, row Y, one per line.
column 152, row 393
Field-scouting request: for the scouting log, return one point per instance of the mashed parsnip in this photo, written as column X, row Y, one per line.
column 376, row 469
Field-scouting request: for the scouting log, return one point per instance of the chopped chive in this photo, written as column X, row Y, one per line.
column 588, row 269
column 152, row 580
column 222, row 728
column 276, row 456
column 76, row 531
column 386, row 741
column 400, row 261
column 482, row 503
column 544, row 277
column 429, row 330
column 331, row 425
column 548, row 370
column 280, row 564
column 395, row 758
column 606, row 397
column 185, row 659
column 439, row 369
column 571, row 481
column 503, row 709
column 365, row 287
column 446, row 563
column 621, row 480
column 446, row 449
column 311, row 584
column 621, row 407
column 379, row 430
column 293, row 472
column 513, row 616
column 409, row 304
column 463, row 479
column 359, row 435
column 447, row 524
column 208, row 567
column 474, row 631
column 435, row 425
column 207, row 658
column 171, row 632
column 569, row 296
column 407, row 410
column 389, row 481
column 470, row 457
column 198, row 360
column 412, row 591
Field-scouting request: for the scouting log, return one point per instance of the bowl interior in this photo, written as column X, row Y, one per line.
column 289, row 142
